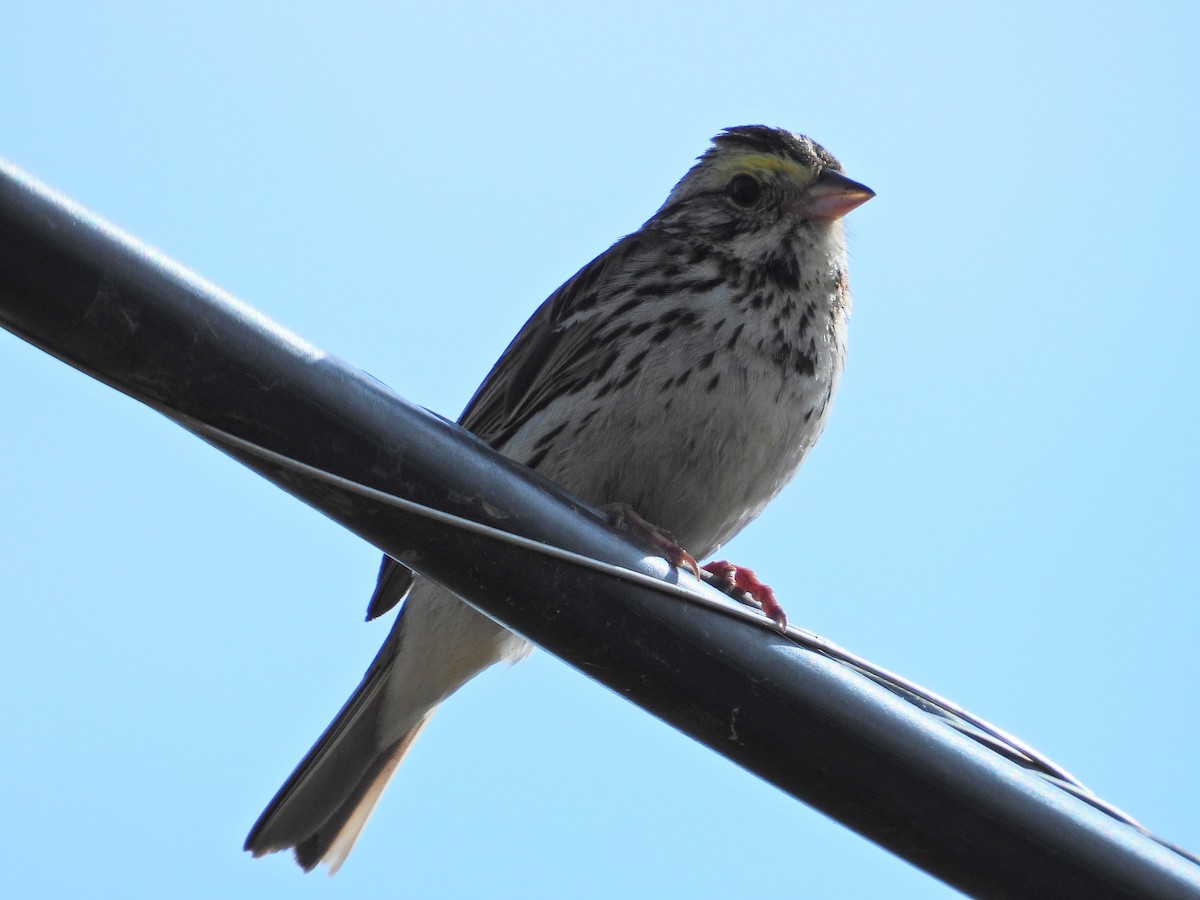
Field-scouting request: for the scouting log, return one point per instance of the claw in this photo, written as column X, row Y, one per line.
column 745, row 580
column 678, row 557
column 663, row 540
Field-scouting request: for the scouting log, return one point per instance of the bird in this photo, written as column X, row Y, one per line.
column 679, row 380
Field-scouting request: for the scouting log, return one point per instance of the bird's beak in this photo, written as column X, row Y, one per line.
column 833, row 195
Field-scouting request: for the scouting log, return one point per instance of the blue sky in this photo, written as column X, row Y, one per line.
column 1003, row 508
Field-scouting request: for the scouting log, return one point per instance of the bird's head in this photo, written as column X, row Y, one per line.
column 758, row 183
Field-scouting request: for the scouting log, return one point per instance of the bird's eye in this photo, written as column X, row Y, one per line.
column 744, row 190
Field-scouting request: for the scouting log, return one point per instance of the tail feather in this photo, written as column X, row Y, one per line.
column 323, row 806
column 333, row 843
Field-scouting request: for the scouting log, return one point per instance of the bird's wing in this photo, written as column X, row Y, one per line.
column 394, row 582
column 558, row 351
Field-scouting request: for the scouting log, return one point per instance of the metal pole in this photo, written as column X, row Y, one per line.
column 344, row 444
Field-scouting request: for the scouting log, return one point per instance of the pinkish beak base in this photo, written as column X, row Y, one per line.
column 833, row 195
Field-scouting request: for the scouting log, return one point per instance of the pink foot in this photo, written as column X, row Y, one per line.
column 745, row 580
column 661, row 539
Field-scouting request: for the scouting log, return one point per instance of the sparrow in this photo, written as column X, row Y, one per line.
column 680, row 378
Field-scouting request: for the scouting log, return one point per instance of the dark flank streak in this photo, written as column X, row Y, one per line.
column 805, row 322
column 682, row 316
column 733, row 338
column 731, row 270
column 616, row 333
column 713, row 383
column 632, row 368
column 605, row 388
column 626, row 307
column 652, row 289
column 634, row 365
column 548, row 438
column 583, row 423
column 670, row 321
column 703, row 285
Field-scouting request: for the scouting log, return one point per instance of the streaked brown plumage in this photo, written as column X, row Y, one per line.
column 685, row 372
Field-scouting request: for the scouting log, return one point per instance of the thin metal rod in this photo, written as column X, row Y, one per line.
column 341, row 442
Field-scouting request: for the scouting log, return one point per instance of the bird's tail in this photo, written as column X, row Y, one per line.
column 324, row 805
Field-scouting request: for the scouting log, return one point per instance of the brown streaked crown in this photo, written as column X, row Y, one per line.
column 776, row 141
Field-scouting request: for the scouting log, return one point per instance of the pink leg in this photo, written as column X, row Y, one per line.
column 745, row 580
column 660, row 538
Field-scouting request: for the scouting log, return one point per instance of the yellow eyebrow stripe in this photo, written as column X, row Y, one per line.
column 760, row 162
